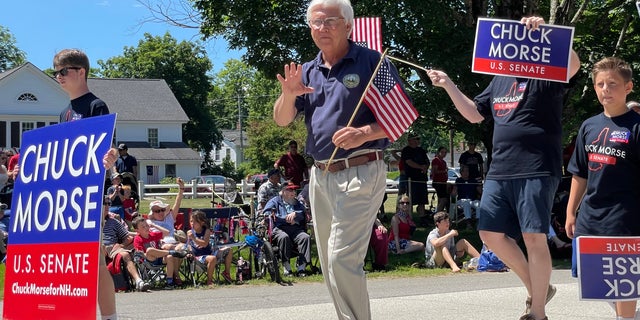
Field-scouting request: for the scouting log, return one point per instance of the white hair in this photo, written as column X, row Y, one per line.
column 345, row 8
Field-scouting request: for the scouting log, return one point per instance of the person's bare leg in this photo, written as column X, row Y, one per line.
column 626, row 309
column 211, row 268
column 539, row 271
column 463, row 246
column 448, row 257
column 106, row 292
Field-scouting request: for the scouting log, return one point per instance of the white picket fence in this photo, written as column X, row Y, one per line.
column 171, row 190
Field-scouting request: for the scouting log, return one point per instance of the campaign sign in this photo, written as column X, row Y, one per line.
column 609, row 268
column 506, row 47
column 56, row 214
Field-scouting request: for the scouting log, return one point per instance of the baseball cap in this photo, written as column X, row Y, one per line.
column 3, row 206
column 157, row 203
column 116, row 175
column 272, row 172
column 292, row 186
column 122, row 146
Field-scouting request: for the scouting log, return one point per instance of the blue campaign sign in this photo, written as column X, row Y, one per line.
column 58, row 194
column 506, row 47
column 56, row 215
column 609, row 268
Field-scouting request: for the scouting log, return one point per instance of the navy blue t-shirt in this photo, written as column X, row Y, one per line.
column 337, row 92
column 607, row 154
column 527, row 134
column 467, row 189
column 85, row 106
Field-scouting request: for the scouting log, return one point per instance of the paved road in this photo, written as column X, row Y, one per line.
column 462, row 296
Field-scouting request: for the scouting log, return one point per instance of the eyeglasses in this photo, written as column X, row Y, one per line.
column 159, row 210
column 404, row 202
column 64, row 71
column 329, row 23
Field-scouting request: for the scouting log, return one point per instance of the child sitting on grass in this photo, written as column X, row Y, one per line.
column 441, row 246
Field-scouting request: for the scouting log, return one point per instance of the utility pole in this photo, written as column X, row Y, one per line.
column 241, row 151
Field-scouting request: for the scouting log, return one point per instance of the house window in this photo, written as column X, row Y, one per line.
column 217, row 155
column 27, row 97
column 26, row 126
column 227, row 153
column 153, row 137
column 170, row 170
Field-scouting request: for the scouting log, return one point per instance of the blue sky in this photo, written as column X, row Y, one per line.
column 101, row 28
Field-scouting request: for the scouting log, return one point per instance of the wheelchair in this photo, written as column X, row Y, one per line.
column 263, row 253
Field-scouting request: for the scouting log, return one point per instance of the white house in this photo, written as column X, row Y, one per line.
column 149, row 118
column 231, row 147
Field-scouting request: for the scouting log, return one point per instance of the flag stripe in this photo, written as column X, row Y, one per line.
column 389, row 103
column 368, row 30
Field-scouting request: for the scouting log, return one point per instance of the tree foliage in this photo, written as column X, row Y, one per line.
column 10, row 55
column 242, row 90
column 430, row 33
column 184, row 67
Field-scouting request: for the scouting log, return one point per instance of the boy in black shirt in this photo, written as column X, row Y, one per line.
column 606, row 165
column 71, row 71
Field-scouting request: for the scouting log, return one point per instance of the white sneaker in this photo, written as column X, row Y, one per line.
column 142, row 286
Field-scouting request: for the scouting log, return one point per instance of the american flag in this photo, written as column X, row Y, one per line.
column 390, row 105
column 367, row 32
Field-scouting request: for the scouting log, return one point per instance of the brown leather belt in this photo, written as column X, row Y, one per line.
column 351, row 162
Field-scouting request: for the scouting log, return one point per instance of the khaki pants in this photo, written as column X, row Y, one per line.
column 344, row 206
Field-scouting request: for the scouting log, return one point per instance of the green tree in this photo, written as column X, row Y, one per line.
column 184, row 67
column 10, row 55
column 430, row 33
column 241, row 92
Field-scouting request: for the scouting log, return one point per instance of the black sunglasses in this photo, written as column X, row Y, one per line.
column 64, row 71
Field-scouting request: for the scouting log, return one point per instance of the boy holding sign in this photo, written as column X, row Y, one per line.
column 71, row 71
column 606, row 165
column 526, row 114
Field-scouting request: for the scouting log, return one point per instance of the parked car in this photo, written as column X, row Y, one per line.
column 393, row 183
column 216, row 180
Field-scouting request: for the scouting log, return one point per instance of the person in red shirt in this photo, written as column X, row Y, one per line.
column 295, row 167
column 148, row 242
column 439, row 176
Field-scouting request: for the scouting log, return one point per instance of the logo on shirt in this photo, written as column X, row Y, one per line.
column 603, row 151
column 504, row 105
column 351, row 80
column 619, row 136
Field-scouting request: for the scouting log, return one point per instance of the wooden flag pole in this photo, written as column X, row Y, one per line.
column 353, row 116
column 409, row 63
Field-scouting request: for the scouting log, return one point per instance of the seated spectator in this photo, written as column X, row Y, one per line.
column 147, row 242
column 290, row 227
column 115, row 195
column 163, row 220
column 199, row 245
column 4, row 229
column 441, row 246
column 117, row 240
column 402, row 227
column 269, row 189
column 4, row 172
column 129, row 205
column 467, row 191
column 379, row 243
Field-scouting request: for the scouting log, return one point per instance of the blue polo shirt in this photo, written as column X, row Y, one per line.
column 337, row 92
